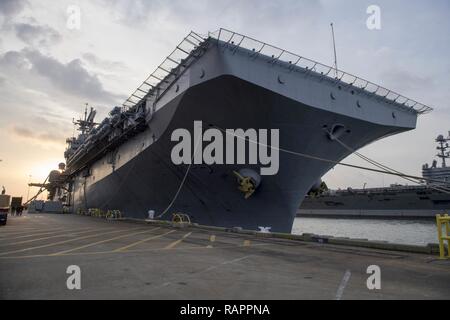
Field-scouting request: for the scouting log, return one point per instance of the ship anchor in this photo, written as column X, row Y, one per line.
column 246, row 184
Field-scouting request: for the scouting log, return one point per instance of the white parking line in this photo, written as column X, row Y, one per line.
column 343, row 284
column 143, row 241
column 61, row 242
column 99, row 242
column 65, row 234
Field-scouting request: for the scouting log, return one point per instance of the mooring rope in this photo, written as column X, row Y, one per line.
column 308, row 156
column 182, row 181
column 384, row 167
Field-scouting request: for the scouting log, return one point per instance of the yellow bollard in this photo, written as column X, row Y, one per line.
column 181, row 218
column 440, row 221
column 447, row 233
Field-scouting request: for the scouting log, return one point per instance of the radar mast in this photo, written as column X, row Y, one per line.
column 86, row 124
column 443, row 147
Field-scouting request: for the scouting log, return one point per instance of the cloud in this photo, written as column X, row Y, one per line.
column 94, row 60
column 37, row 35
column 72, row 77
column 14, row 59
column 406, row 81
column 42, row 134
column 198, row 13
column 22, row 132
column 11, row 8
column 132, row 12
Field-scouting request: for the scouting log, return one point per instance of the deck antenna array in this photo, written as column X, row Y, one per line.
column 86, row 124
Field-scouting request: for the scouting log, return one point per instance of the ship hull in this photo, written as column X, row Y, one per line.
column 143, row 177
column 396, row 203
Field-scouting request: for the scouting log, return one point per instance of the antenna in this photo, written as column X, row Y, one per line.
column 85, row 111
column 334, row 48
column 86, row 124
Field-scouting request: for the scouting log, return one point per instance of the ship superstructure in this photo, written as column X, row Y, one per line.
column 435, row 175
column 228, row 81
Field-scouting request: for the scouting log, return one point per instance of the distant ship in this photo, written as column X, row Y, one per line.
column 396, row 201
column 230, row 81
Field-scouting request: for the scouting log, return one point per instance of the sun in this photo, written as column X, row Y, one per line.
column 41, row 171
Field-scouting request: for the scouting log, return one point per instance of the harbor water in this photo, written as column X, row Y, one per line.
column 417, row 232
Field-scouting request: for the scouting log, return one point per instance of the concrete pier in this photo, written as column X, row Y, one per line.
column 137, row 260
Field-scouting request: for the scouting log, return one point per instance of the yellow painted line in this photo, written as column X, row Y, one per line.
column 32, row 225
column 65, row 234
column 93, row 253
column 175, row 243
column 247, row 243
column 44, row 233
column 98, row 242
column 60, row 242
column 19, row 228
column 142, row 241
column 26, row 232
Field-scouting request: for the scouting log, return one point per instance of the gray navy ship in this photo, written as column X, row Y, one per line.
column 418, row 201
column 235, row 83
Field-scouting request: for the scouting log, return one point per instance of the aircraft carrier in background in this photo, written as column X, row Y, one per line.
column 227, row 80
column 396, row 201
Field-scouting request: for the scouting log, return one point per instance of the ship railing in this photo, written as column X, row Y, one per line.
column 168, row 71
column 234, row 41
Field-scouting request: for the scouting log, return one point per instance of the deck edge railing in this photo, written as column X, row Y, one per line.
column 236, row 40
column 167, row 72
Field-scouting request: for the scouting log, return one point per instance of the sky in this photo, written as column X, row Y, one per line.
column 49, row 69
